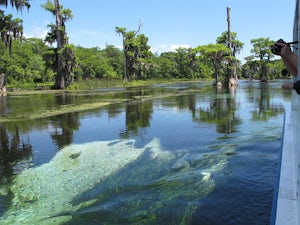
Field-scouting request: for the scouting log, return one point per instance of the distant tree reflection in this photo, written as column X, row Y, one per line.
column 137, row 117
column 265, row 108
column 220, row 109
column 15, row 152
column 63, row 128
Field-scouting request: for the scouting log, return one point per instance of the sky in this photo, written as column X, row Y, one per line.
column 168, row 24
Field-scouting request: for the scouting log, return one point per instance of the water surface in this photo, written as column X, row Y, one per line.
column 183, row 153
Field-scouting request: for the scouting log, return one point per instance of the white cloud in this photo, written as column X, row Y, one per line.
column 176, row 46
column 89, row 32
column 36, row 32
column 168, row 47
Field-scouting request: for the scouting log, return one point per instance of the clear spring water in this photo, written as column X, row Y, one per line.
column 181, row 153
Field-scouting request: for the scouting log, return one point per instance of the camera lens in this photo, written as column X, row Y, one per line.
column 276, row 49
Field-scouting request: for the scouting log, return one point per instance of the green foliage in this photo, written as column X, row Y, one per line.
column 252, row 69
column 236, row 45
column 10, row 29
column 66, row 64
column 136, row 54
column 25, row 64
column 115, row 59
column 217, row 54
column 49, row 6
column 33, row 62
column 259, row 65
column 93, row 63
column 166, row 66
column 261, row 48
column 184, row 63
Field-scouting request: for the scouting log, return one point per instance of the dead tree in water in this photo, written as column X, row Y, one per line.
column 232, row 78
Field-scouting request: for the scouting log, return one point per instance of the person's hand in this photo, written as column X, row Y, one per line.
column 285, row 50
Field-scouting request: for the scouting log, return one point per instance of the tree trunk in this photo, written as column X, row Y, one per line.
column 263, row 76
column 62, row 75
column 125, row 78
column 232, row 74
column 229, row 32
column 217, row 78
column 2, row 83
column 59, row 26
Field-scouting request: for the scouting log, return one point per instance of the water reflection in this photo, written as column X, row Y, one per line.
column 204, row 103
column 137, row 117
column 15, row 152
column 221, row 111
column 3, row 105
column 63, row 128
column 265, row 106
column 134, row 114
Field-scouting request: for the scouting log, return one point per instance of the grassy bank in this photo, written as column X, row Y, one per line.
column 90, row 84
column 109, row 83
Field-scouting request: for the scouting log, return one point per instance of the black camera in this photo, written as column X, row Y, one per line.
column 276, row 48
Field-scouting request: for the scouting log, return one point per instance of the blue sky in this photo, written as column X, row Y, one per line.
column 168, row 24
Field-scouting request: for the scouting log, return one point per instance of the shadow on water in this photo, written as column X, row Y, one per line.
column 245, row 197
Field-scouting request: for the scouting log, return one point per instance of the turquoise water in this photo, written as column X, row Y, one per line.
column 192, row 155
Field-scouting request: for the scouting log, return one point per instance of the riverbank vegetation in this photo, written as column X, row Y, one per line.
column 27, row 66
column 34, row 63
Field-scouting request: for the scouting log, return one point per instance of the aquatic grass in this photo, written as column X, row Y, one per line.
column 83, row 85
column 13, row 86
column 90, row 99
column 89, row 84
column 54, row 112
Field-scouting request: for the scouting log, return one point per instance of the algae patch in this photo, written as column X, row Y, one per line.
column 54, row 112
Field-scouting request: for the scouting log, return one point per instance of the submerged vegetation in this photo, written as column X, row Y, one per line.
column 84, row 99
column 98, row 177
column 87, row 179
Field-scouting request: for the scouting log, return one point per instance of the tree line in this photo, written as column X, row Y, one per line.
column 33, row 60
